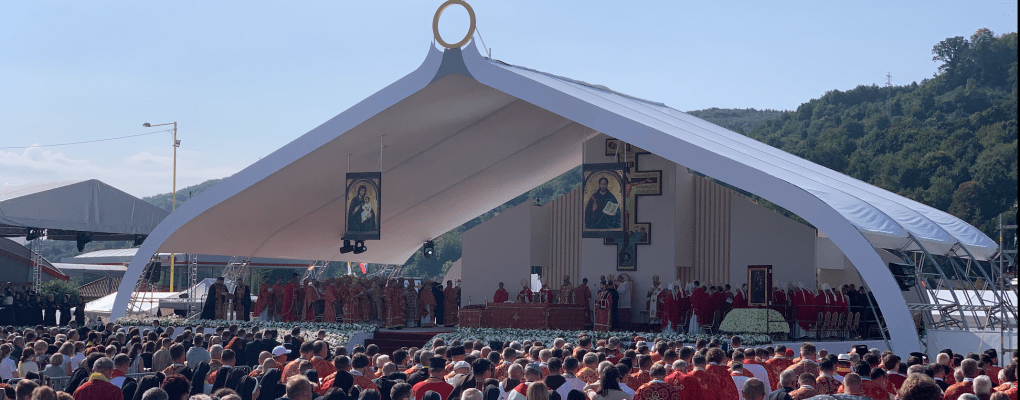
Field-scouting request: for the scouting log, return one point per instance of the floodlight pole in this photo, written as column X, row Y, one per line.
column 173, row 194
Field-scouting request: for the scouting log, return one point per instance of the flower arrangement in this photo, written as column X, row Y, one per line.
column 752, row 320
column 337, row 334
column 546, row 336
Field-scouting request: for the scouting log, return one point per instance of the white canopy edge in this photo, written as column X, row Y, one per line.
column 858, row 217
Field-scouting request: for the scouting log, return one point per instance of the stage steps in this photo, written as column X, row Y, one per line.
column 391, row 340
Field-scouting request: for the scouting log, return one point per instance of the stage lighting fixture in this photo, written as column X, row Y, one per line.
column 139, row 239
column 428, row 249
column 83, row 238
column 33, row 234
column 359, row 247
column 347, row 248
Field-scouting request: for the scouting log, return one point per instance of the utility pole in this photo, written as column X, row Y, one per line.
column 888, row 94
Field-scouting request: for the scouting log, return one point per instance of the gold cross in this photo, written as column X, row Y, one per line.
column 516, row 317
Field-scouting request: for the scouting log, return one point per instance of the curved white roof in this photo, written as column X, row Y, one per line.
column 464, row 134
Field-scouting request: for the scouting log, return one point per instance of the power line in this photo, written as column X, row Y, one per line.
column 85, row 142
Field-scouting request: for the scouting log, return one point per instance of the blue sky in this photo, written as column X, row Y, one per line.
column 244, row 78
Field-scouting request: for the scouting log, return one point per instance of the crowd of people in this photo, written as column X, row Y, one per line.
column 393, row 302
column 229, row 363
column 687, row 307
column 21, row 305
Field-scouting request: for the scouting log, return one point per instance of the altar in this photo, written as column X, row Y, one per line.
column 524, row 316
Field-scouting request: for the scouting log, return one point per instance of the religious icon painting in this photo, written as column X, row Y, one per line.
column 362, row 205
column 603, row 200
column 759, row 283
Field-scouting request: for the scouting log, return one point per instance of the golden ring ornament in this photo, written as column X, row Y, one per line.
column 471, row 27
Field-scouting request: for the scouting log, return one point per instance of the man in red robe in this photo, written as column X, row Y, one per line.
column 545, row 294
column 684, row 307
column 670, row 311
column 501, row 295
column 700, row 384
column 603, row 310
column 450, row 305
column 435, row 382
column 719, row 303
column 394, row 303
column 330, row 297
column 582, row 295
column 657, row 388
column 343, row 293
column 777, row 364
column 970, row 371
column 740, row 298
column 288, row 311
column 311, row 296
column 99, row 387
column 264, row 299
column 700, row 303
column 356, row 299
column 727, row 388
column 525, row 295
column 779, row 302
column 427, row 303
column 277, row 306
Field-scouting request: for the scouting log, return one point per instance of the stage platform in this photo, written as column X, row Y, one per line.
column 389, row 340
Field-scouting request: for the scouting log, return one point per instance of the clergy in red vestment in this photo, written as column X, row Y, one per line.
column 545, row 295
column 657, row 388
column 603, row 310
column 394, row 303
column 501, row 295
column 288, row 311
column 427, row 302
column 99, row 387
column 322, row 367
column 582, row 295
column 700, row 384
column 740, row 298
column 970, row 371
column 276, row 310
column 525, row 295
column 311, row 296
column 265, row 297
column 727, row 387
column 670, row 312
column 330, row 297
column 343, row 294
column 719, row 303
column 435, row 382
column 700, row 303
column 450, row 304
column 684, row 307
column 777, row 364
column 356, row 301
column 779, row 303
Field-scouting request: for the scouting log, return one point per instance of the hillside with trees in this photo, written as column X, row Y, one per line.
column 949, row 142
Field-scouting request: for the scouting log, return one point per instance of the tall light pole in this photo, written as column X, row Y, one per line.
column 173, row 195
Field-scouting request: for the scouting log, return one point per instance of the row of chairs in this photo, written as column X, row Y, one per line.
column 838, row 325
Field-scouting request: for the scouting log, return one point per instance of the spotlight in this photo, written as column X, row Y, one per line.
column 428, row 249
column 347, row 248
column 83, row 238
column 139, row 239
column 33, row 234
column 359, row 247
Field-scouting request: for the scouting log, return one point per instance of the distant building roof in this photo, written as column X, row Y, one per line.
column 69, row 268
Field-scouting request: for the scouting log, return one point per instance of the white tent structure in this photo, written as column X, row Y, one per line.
column 67, row 207
column 464, row 133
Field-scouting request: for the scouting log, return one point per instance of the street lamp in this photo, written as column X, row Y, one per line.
column 173, row 195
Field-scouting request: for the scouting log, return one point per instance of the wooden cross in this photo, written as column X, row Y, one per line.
column 639, row 183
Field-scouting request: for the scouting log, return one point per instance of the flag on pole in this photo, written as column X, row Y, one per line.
column 349, row 272
column 364, row 268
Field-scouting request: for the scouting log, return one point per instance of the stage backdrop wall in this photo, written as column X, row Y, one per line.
column 762, row 237
column 499, row 250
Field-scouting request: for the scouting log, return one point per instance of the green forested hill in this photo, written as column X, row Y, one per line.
column 736, row 120
column 949, row 141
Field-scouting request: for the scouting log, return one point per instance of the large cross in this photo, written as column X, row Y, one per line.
column 639, row 183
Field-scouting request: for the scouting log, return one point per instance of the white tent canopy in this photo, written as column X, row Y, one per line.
column 464, row 134
column 82, row 206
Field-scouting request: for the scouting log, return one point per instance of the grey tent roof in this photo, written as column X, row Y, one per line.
column 76, row 206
